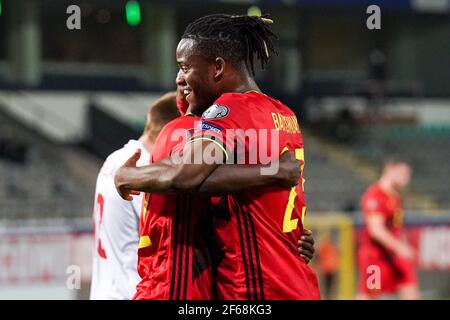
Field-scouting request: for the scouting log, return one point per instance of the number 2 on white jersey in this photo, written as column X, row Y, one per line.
column 100, row 206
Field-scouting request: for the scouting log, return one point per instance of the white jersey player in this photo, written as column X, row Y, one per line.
column 116, row 221
column 116, row 233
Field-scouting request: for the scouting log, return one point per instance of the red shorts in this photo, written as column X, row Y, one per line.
column 381, row 272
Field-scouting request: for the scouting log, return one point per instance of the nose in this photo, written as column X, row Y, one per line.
column 180, row 79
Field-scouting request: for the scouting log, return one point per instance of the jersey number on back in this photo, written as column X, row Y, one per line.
column 100, row 206
column 290, row 224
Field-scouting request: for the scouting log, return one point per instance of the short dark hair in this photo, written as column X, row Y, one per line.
column 236, row 38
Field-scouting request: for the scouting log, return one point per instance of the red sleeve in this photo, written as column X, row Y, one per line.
column 373, row 202
column 220, row 123
column 172, row 137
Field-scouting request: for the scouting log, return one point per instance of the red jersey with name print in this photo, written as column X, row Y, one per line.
column 257, row 231
column 173, row 259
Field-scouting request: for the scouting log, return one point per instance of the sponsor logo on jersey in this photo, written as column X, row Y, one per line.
column 215, row 112
column 205, row 126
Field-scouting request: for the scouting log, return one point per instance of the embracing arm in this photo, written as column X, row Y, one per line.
column 230, row 178
column 151, row 178
column 166, row 176
column 208, row 176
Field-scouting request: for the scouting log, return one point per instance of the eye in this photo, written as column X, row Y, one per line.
column 183, row 68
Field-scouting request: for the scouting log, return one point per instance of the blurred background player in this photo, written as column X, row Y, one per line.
column 116, row 221
column 327, row 264
column 382, row 242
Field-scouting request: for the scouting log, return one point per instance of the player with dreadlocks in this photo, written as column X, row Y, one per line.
column 257, row 227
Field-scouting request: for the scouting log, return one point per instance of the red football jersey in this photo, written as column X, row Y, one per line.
column 376, row 200
column 257, row 231
column 395, row 271
column 173, row 258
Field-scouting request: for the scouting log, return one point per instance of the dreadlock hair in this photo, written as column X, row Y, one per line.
column 236, row 38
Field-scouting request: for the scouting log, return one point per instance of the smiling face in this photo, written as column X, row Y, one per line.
column 197, row 77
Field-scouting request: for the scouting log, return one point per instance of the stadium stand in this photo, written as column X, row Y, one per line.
column 330, row 185
column 427, row 149
column 46, row 183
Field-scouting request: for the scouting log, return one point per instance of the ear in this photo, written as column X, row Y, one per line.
column 219, row 68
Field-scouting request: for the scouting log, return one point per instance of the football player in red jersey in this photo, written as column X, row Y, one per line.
column 173, row 255
column 156, row 263
column 257, row 231
column 385, row 259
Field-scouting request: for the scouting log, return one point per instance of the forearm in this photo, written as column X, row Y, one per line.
column 166, row 176
column 230, row 178
column 163, row 177
column 385, row 238
column 155, row 178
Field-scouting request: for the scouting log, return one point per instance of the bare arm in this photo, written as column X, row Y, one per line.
column 229, row 178
column 378, row 231
column 168, row 177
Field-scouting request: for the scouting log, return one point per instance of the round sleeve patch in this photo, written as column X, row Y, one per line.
column 372, row 205
column 215, row 112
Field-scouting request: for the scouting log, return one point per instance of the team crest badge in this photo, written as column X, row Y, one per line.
column 215, row 112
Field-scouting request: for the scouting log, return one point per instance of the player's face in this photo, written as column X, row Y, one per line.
column 401, row 174
column 195, row 77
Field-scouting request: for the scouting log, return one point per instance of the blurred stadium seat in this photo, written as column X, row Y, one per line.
column 43, row 186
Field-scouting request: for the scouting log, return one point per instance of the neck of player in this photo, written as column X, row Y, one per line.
column 240, row 81
column 387, row 185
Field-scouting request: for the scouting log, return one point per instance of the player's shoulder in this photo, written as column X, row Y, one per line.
column 183, row 122
column 371, row 201
column 280, row 106
column 119, row 156
column 224, row 105
column 229, row 104
column 253, row 99
column 231, row 97
column 235, row 99
column 240, row 105
column 373, row 192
